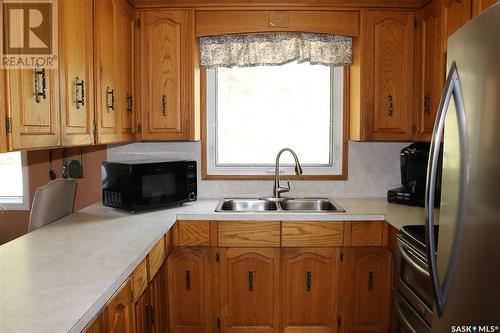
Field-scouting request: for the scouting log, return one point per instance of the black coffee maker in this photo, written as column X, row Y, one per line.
column 414, row 159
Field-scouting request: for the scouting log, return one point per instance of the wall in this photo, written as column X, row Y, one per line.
column 15, row 223
column 373, row 169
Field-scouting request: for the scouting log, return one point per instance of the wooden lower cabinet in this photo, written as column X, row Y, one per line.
column 189, row 294
column 365, row 290
column 119, row 312
column 151, row 310
column 310, row 280
column 249, row 282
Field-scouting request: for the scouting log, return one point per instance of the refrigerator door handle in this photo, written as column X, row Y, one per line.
column 452, row 88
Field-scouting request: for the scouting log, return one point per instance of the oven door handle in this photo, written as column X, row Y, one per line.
column 402, row 316
column 413, row 264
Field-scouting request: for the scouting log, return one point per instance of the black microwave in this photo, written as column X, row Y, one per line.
column 141, row 185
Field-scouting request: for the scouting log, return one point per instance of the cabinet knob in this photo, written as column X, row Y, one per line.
column 129, row 103
column 427, row 104
column 308, row 281
column 150, row 320
column 370, row 280
column 250, row 280
column 110, row 99
column 188, row 280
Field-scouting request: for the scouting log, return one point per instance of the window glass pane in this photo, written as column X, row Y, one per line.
column 11, row 175
column 263, row 109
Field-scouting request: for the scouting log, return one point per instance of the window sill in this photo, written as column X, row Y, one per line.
column 14, row 203
column 271, row 177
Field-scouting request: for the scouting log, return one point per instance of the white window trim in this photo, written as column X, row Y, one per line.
column 336, row 106
column 19, row 203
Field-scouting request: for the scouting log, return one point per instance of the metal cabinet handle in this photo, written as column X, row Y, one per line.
column 128, row 103
column 150, row 319
column 110, row 93
column 250, row 280
column 79, row 92
column 164, row 105
column 370, row 280
column 404, row 250
column 188, row 280
column 427, row 104
column 308, row 281
column 452, row 87
column 389, row 105
column 43, row 82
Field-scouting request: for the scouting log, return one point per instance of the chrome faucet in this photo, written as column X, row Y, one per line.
column 278, row 189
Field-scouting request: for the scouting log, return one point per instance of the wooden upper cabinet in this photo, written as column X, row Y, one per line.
column 310, row 280
column 76, row 81
column 455, row 14
column 106, row 54
column 249, row 290
column 366, row 290
column 168, row 70
column 189, row 290
column 481, row 5
column 119, row 312
column 34, row 116
column 388, row 53
column 432, row 69
column 125, row 74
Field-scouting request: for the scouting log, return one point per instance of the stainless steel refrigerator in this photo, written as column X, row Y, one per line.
column 465, row 267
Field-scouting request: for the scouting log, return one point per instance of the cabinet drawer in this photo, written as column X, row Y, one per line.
column 156, row 258
column 365, row 233
column 249, row 233
column 139, row 280
column 298, row 234
column 193, row 233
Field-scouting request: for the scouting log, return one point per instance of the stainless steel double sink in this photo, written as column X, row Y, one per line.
column 293, row 205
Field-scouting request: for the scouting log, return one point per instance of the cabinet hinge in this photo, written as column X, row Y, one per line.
column 94, row 127
column 414, row 128
column 132, row 296
column 217, row 257
column 138, row 23
column 218, row 322
column 139, row 128
column 8, row 124
column 339, row 321
column 341, row 255
column 415, row 22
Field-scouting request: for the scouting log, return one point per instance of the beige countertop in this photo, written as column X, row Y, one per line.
column 56, row 279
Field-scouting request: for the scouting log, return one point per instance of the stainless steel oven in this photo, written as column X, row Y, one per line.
column 413, row 297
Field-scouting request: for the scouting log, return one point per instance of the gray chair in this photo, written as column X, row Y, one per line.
column 52, row 202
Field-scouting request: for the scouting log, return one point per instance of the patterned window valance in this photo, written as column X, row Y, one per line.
column 275, row 49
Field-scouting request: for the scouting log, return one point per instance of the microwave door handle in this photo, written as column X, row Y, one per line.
column 402, row 317
column 452, row 88
column 412, row 263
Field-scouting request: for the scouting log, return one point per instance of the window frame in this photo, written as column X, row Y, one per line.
column 14, row 203
column 286, row 171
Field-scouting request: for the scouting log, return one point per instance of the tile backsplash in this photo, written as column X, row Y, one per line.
column 373, row 169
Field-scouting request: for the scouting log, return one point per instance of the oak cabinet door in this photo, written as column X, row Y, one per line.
column 310, row 280
column 249, row 289
column 159, row 299
column 106, row 54
column 388, row 55
column 365, row 289
column 167, row 75
column 144, row 312
column 455, row 14
column 479, row 6
column 189, row 290
column 76, row 72
column 433, row 72
column 33, row 107
column 119, row 312
column 125, row 92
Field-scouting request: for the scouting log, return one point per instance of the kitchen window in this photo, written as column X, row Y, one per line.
column 253, row 112
column 14, row 188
